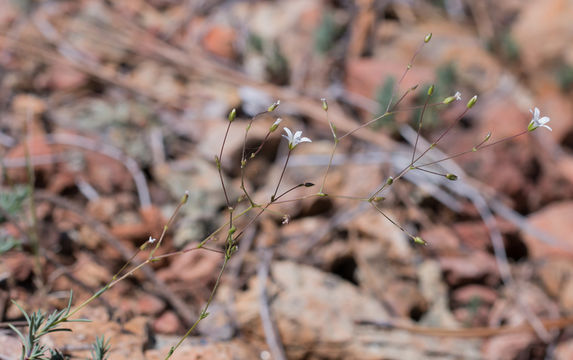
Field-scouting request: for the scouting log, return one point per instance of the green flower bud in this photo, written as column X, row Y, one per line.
column 419, row 240
column 431, row 90
column 428, row 38
column 274, row 106
column 324, row 104
column 472, row 101
column 232, row 115
column 275, row 125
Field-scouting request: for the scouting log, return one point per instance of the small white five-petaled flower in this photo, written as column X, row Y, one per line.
column 538, row 122
column 294, row 140
column 151, row 240
column 458, row 95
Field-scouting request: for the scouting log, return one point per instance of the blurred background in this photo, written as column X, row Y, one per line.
column 119, row 107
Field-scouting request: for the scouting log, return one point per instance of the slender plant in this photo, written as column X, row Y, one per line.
column 230, row 232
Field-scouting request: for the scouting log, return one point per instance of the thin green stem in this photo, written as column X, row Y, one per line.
column 476, row 148
column 430, row 147
column 219, row 167
column 34, row 237
column 332, row 129
column 282, row 174
column 244, row 159
column 204, row 312
column 210, row 236
column 420, row 126
column 408, row 67
column 261, row 145
column 169, row 222
column 394, row 111
column 392, row 221
column 429, row 171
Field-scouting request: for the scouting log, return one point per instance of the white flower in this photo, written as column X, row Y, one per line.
column 537, row 122
column 294, row 140
column 151, row 240
column 458, row 95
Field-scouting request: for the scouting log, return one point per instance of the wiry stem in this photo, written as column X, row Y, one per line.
column 204, row 312
column 281, row 178
column 332, row 129
column 420, row 125
column 219, row 167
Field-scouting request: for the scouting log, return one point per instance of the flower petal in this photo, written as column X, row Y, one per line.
column 289, row 134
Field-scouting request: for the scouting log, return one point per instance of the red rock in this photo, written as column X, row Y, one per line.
column 473, row 234
column 18, row 265
column 365, row 76
column 195, row 267
column 150, row 305
column 515, row 119
column 564, row 350
column 405, row 298
column 167, row 323
column 555, row 220
column 477, row 266
column 558, row 106
column 220, row 40
column 565, row 167
column 553, row 273
column 543, row 32
column 441, row 239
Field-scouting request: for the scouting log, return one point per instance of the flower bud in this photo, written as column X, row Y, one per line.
column 232, row 115
column 324, row 104
column 451, row 177
column 390, row 180
column 472, row 101
column 275, row 125
column 419, row 240
column 428, row 38
column 274, row 106
column 431, row 90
